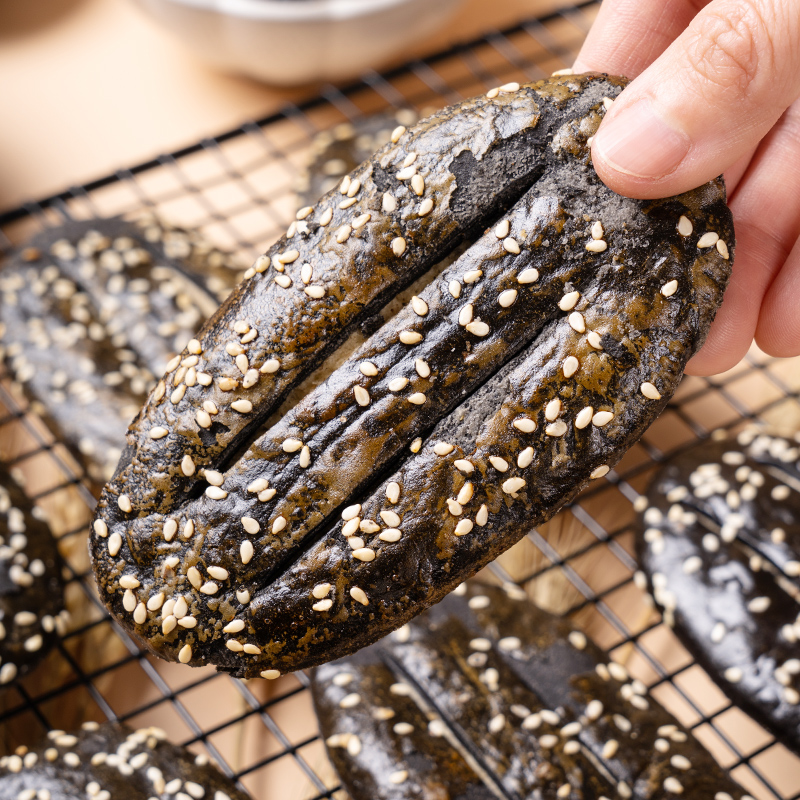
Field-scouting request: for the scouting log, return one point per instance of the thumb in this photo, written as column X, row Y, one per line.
column 705, row 102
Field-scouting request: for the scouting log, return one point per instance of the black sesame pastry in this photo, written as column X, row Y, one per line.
column 336, row 152
column 720, row 546
column 31, row 588
column 111, row 762
column 92, row 311
column 530, row 364
column 487, row 696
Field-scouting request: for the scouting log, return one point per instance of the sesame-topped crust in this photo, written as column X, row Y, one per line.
column 561, row 332
column 31, row 588
column 111, row 762
column 720, row 545
column 91, row 313
column 336, row 152
column 489, row 696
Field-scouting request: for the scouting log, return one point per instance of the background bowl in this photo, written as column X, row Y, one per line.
column 297, row 41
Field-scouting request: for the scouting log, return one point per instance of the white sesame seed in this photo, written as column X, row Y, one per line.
column 364, row 554
column 673, row 785
column 155, row 602
column 124, row 503
column 511, row 245
column 685, row 226
column 284, row 281
column 343, row 234
column 464, row 466
column 649, row 391
column 410, row 337
column 482, row 517
column 158, row 432
column 100, row 528
column 279, row 524
column 707, row 240
column 361, row 395
column 599, row 472
column 345, row 184
column 571, row 366
column 419, row 305
column 758, row 605
column 351, row 526
column 185, row 654
column 733, row 674
column 577, row 639
column 465, row 315
column 246, row 551
column 203, row 418
column 454, row 287
column 463, row 527
column 454, row 507
column 472, row 275
column 215, row 493
column 397, row 384
column 270, row 365
column 348, row 202
column 492, row 93
column 558, row 428
column 398, row 777
column 425, row 207
column 322, row 605
column 610, row 748
column 361, row 220
column 443, row 448
column 569, row 301
column 781, row 492
column 507, row 298
column 510, row 87
column 388, row 203
column 129, row 582
column 478, row 328
column 406, row 173
column 390, row 518
column 722, row 249
column 242, row 406
column 502, row 229
column 390, row 535
column 525, row 458
column 418, row 184
column 597, row 245
column 597, row 230
column 513, row 485
column 500, row 464
column 359, row 595
column 529, row 275
column 114, row 544
column 291, row 445
column 397, row 133
column 669, row 288
column 552, row 409
column 418, row 398
column 602, row 418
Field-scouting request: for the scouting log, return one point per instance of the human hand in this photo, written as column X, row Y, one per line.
column 716, row 91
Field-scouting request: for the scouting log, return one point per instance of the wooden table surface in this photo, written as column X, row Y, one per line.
column 92, row 85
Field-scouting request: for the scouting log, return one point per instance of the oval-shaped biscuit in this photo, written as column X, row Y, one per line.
column 92, row 311
column 487, row 696
column 110, row 761
column 720, row 544
column 522, row 363
column 31, row 585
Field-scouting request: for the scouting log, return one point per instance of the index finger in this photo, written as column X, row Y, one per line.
column 629, row 35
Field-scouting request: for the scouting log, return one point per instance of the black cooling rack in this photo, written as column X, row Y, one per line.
column 238, row 188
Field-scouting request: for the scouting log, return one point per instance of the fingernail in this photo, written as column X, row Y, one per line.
column 637, row 141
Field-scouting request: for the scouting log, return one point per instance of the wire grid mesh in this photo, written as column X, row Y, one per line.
column 238, row 189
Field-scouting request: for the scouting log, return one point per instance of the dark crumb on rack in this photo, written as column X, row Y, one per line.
column 487, row 696
column 719, row 542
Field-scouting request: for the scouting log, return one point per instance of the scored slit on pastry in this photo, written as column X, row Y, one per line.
column 529, row 365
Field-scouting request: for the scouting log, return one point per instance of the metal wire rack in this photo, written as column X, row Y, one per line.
column 237, row 188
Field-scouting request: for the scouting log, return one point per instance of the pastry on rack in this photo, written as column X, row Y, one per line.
column 111, row 762
column 487, row 696
column 31, row 586
column 518, row 375
column 90, row 314
column 719, row 542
